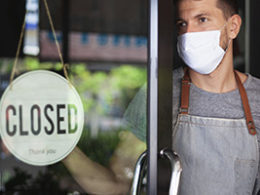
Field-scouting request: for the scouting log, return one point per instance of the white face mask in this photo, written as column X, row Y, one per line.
column 201, row 50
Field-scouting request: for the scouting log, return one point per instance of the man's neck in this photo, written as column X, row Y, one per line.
column 220, row 80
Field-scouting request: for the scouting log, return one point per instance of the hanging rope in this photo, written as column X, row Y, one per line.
column 18, row 51
column 56, row 43
column 56, row 40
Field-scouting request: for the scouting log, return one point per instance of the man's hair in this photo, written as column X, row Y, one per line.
column 229, row 7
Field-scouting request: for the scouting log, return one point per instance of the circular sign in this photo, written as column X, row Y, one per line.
column 42, row 117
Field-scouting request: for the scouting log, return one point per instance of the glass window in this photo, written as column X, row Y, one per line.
column 107, row 57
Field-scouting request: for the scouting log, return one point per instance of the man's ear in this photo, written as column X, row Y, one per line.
column 235, row 22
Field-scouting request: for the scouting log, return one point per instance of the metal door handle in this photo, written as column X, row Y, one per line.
column 142, row 163
column 176, row 169
column 138, row 174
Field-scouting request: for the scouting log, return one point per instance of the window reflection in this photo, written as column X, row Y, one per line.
column 107, row 144
column 110, row 39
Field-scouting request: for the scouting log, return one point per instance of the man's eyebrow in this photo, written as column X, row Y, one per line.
column 178, row 19
column 201, row 15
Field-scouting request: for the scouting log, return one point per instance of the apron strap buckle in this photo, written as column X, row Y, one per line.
column 184, row 110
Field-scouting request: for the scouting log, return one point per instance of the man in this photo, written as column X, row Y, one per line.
column 216, row 143
column 215, row 132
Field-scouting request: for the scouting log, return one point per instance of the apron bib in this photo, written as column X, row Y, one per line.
column 218, row 156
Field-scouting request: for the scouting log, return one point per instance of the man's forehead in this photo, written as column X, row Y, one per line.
column 191, row 5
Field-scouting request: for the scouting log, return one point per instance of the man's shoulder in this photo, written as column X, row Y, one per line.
column 177, row 76
column 177, row 73
column 253, row 84
column 255, row 79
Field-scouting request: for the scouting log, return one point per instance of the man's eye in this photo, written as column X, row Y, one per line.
column 203, row 19
column 181, row 24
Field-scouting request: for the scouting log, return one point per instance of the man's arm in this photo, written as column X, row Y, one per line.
column 97, row 179
column 91, row 176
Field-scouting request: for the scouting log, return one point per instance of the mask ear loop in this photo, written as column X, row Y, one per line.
column 229, row 40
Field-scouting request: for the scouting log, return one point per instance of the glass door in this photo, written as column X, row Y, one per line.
column 162, row 61
column 104, row 44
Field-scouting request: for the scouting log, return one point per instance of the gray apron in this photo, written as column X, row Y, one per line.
column 219, row 156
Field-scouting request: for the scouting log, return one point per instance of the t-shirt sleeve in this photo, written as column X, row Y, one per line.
column 134, row 118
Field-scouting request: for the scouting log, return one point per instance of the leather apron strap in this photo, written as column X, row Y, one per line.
column 185, row 95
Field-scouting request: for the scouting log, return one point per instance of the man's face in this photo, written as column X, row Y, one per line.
column 201, row 15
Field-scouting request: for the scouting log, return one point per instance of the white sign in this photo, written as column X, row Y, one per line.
column 42, row 118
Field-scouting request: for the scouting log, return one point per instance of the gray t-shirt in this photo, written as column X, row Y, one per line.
column 219, row 105
column 201, row 103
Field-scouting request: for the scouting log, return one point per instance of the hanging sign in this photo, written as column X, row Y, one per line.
column 42, row 118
